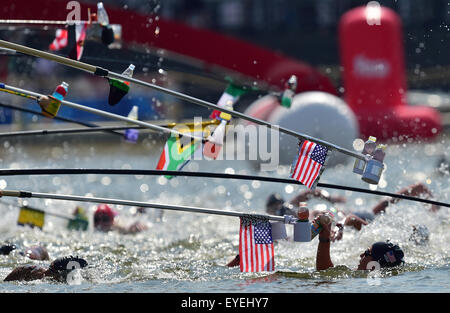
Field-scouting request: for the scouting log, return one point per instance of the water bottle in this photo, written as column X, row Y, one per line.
column 129, row 71
column 289, row 92
column 317, row 225
column 375, row 166
column 102, row 16
column 131, row 135
column 211, row 150
column 50, row 105
column 118, row 88
column 61, row 91
column 369, row 148
column 302, row 228
column 379, row 153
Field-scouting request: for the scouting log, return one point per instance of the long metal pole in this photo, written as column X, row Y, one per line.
column 34, row 95
column 27, row 194
column 106, row 73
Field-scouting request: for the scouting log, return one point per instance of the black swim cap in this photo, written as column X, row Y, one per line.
column 387, row 254
column 6, row 249
column 274, row 198
column 67, row 264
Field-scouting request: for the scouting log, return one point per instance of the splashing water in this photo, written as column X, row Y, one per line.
column 186, row 252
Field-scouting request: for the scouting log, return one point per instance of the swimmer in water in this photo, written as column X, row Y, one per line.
column 104, row 220
column 277, row 206
column 34, row 252
column 58, row 270
column 385, row 253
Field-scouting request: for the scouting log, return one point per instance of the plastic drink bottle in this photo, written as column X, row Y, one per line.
column 289, row 92
column 118, row 88
column 302, row 228
column 375, row 166
column 303, row 212
column 61, row 91
column 51, row 107
column 369, row 148
column 211, row 149
column 129, row 71
column 102, row 16
column 379, row 153
column 317, row 225
column 131, row 135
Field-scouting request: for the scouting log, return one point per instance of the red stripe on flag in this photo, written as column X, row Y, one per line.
column 302, row 158
column 251, row 248
column 241, row 253
column 298, row 160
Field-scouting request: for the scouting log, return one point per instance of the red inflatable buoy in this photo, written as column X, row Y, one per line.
column 371, row 48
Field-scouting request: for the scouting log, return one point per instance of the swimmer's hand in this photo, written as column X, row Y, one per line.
column 136, row 228
column 354, row 221
column 337, row 235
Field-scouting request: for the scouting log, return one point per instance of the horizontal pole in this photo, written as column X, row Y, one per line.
column 103, row 113
column 27, row 194
column 59, row 118
column 108, row 129
column 106, row 73
column 83, row 171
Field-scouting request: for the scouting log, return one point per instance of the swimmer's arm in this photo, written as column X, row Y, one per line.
column 132, row 229
column 413, row 190
column 323, row 259
column 317, row 193
column 26, row 273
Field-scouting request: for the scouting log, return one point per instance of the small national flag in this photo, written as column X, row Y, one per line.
column 31, row 217
column 178, row 150
column 229, row 97
column 80, row 37
column 256, row 245
column 60, row 40
column 214, row 144
column 309, row 164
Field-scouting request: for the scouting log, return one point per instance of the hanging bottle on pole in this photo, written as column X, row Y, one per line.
column 132, row 135
column 289, row 92
column 375, row 166
column 102, row 16
column 215, row 141
column 369, row 148
column 50, row 104
column 118, row 88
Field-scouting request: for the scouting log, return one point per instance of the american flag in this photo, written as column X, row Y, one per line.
column 256, row 245
column 309, row 164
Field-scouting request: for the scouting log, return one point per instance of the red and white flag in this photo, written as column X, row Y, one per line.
column 80, row 37
column 256, row 245
column 60, row 40
column 309, row 164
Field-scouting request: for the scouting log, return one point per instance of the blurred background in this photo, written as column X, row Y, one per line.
column 304, row 31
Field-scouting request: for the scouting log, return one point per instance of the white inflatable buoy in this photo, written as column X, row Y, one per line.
column 320, row 115
column 317, row 114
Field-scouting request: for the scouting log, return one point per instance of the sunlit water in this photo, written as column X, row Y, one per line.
column 186, row 252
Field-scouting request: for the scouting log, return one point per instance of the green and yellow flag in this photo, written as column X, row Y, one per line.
column 31, row 217
column 178, row 149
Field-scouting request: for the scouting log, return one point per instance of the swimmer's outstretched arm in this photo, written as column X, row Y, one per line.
column 323, row 259
column 26, row 273
column 418, row 189
column 317, row 193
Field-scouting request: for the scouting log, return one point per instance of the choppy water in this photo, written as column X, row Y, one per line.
column 186, row 252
